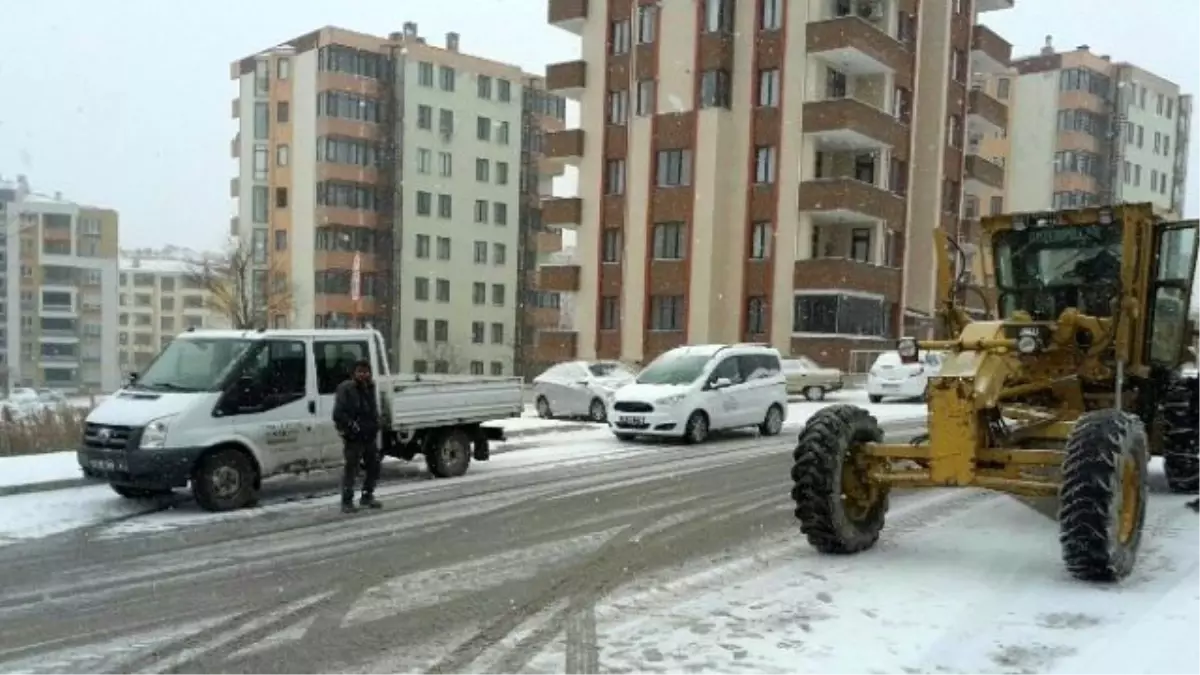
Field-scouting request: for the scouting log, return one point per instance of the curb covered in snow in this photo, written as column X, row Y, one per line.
column 66, row 483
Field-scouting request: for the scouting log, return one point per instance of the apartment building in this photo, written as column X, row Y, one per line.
column 701, row 220
column 158, row 299
column 380, row 181
column 58, row 292
column 1090, row 130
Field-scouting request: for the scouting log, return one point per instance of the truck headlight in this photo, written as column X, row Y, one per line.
column 1028, row 341
column 155, row 433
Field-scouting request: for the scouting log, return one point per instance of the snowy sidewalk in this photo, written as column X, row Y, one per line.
column 60, row 470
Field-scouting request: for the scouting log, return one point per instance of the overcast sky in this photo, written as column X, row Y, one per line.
column 125, row 103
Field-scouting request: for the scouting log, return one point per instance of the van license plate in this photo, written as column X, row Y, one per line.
column 106, row 465
column 632, row 421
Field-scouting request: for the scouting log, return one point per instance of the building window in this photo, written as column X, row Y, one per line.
column 483, row 87
column 666, row 312
column 258, row 204
column 610, row 248
column 958, row 65
column 283, row 69
column 478, row 293
column 610, row 312
column 669, row 241
column 835, row 84
column 441, row 330
column 445, row 209
column 421, row 289
column 756, row 315
column 841, row 314
column 502, row 132
column 614, row 177
column 281, row 197
column 715, row 89
column 771, row 17
column 425, row 74
column 496, row 368
column 262, row 120
column 718, row 16
column 764, row 165
column 481, row 211
column 420, row 330
column 646, row 98
column 1002, row 87
column 477, row 367
column 478, row 330
column 260, row 162
column 481, row 253
column 500, row 213
column 443, row 248
column 446, row 77
column 424, row 117
column 501, row 173
column 499, row 254
column 618, row 37
column 760, row 241
column 282, row 112
column 503, row 90
column 498, row 295
column 446, row 122
column 483, row 128
column 674, row 168
column 423, row 246
column 618, row 107
column 954, row 131
column 497, row 333
column 860, row 244
column 424, row 203
column 768, row 88
column 482, row 172
column 997, row 205
column 647, row 17
column 282, row 155
column 445, row 164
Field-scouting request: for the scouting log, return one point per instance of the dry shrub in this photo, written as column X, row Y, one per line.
column 51, row 430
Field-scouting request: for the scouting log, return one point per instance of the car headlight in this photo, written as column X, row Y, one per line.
column 669, row 400
column 155, row 433
column 907, row 348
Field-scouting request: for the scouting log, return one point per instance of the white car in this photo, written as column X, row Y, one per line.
column 689, row 391
column 579, row 389
column 892, row 378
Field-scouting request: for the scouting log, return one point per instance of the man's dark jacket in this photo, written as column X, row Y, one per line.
column 355, row 412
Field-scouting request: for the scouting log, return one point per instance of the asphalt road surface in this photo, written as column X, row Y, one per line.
column 448, row 572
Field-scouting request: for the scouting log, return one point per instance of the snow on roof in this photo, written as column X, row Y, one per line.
column 157, row 265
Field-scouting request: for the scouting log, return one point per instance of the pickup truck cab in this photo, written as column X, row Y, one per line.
column 223, row 410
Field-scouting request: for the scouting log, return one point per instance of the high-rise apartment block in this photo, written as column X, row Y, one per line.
column 386, row 180
column 160, row 298
column 1090, row 130
column 58, row 292
column 765, row 170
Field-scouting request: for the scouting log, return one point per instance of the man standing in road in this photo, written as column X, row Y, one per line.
column 356, row 416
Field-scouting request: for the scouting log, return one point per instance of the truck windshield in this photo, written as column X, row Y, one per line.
column 194, row 364
column 1045, row 270
column 674, row 369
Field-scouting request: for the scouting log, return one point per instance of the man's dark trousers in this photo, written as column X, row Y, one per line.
column 355, row 453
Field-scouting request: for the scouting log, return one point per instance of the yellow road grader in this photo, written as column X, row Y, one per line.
column 1066, row 391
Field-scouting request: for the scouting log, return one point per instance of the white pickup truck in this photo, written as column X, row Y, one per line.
column 222, row 410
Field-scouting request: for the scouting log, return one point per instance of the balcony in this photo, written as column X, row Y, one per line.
column 983, row 172
column 559, row 278
column 236, row 108
column 985, row 113
column 567, row 79
column 993, row 5
column 568, row 15
column 858, row 48
column 555, row 346
column 990, row 53
column 234, row 190
column 235, row 146
column 850, row 124
column 844, row 273
column 846, row 199
column 564, row 145
column 562, row 211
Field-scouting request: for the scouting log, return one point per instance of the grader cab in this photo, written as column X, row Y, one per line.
column 1067, row 391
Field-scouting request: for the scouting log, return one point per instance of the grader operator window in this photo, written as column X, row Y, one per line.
column 1045, row 270
column 1170, row 293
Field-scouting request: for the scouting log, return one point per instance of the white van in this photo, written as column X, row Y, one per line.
column 892, row 378
column 689, row 391
column 224, row 409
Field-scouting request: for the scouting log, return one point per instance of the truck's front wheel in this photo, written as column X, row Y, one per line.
column 224, row 480
column 450, row 455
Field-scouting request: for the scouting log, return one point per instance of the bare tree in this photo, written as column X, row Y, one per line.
column 437, row 353
column 244, row 293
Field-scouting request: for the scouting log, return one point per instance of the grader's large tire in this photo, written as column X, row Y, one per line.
column 840, row 510
column 1181, row 452
column 1102, row 499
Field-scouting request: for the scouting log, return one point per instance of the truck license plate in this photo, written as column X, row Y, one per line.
column 632, row 421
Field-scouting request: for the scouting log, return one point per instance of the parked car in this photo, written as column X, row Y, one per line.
column 689, row 391
column 52, row 398
column 807, row 377
column 579, row 389
column 892, row 378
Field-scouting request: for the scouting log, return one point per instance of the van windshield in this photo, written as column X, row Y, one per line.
column 194, row 364
column 674, row 369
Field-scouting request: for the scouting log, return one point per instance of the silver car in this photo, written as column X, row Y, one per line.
column 579, row 388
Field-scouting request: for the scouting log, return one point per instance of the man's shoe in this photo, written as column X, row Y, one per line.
column 369, row 502
column 349, row 508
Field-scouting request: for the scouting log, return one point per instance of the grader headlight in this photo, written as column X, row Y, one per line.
column 1029, row 341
